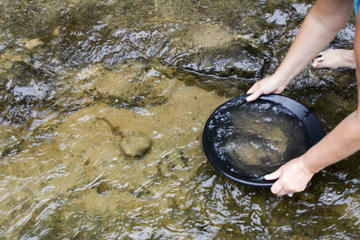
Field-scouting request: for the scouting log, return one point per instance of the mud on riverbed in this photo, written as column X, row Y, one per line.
column 77, row 77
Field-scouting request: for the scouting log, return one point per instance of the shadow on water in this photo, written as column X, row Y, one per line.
column 102, row 106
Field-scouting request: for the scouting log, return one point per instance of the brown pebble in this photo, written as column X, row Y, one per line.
column 135, row 144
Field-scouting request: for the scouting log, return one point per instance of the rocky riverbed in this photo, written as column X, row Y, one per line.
column 102, row 107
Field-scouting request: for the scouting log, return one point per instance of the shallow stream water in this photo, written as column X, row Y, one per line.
column 81, row 79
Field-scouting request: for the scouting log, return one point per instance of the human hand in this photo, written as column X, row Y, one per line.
column 266, row 85
column 292, row 177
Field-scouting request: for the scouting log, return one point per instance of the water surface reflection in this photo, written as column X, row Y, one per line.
column 78, row 77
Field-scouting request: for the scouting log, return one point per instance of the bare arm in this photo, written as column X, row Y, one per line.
column 341, row 142
column 344, row 140
column 324, row 21
column 320, row 26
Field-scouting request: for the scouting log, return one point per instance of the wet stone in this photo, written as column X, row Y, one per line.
column 22, row 87
column 135, row 144
column 239, row 60
column 23, row 81
column 9, row 57
column 32, row 43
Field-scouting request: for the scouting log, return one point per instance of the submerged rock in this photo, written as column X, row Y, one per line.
column 237, row 60
column 32, row 43
column 135, row 144
column 22, row 86
column 208, row 35
column 134, row 84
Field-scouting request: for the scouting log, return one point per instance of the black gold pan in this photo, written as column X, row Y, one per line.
column 246, row 140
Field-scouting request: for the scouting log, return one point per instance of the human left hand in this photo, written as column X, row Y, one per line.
column 292, row 177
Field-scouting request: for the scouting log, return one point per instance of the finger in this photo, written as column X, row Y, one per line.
column 319, row 56
column 319, row 59
column 281, row 190
column 273, row 175
column 276, row 188
column 279, row 90
column 317, row 62
column 254, row 96
column 282, row 193
column 253, row 88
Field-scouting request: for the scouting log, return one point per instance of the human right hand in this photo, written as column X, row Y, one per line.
column 291, row 177
column 267, row 85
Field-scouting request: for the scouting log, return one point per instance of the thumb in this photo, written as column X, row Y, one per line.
column 273, row 175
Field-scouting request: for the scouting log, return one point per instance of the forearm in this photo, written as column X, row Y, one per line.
column 340, row 143
column 344, row 140
column 320, row 26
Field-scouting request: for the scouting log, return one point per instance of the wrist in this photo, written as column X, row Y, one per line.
column 282, row 78
column 305, row 166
